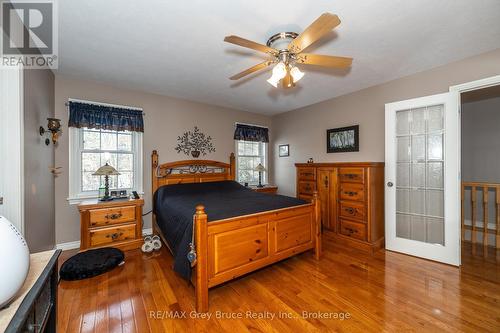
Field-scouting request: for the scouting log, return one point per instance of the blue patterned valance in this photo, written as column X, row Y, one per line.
column 105, row 117
column 251, row 133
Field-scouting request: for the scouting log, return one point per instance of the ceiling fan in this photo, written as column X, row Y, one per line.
column 286, row 51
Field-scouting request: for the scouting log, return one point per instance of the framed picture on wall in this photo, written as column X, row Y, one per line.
column 284, row 150
column 343, row 139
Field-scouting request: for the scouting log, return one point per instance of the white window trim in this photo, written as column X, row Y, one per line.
column 266, row 162
column 75, row 196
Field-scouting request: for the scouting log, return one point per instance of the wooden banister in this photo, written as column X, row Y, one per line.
column 485, row 187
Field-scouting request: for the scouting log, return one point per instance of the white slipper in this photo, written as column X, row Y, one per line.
column 147, row 247
column 156, row 242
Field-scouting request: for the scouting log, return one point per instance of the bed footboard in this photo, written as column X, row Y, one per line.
column 230, row 248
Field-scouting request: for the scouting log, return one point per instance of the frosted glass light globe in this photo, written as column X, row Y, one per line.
column 14, row 261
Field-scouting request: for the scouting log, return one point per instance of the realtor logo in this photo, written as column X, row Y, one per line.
column 29, row 34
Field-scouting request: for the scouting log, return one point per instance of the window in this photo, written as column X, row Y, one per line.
column 249, row 155
column 92, row 148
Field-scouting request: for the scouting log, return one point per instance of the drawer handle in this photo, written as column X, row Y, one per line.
column 350, row 210
column 351, row 231
column 304, row 174
column 351, row 175
column 308, row 188
column 351, row 193
column 114, row 216
column 115, row 235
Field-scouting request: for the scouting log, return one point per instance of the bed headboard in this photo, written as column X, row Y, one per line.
column 190, row 171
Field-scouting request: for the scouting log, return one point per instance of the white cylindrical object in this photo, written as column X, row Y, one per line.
column 14, row 261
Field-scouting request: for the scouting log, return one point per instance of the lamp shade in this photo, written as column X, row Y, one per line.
column 106, row 170
column 260, row 168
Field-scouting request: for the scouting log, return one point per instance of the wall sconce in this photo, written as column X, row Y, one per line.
column 53, row 129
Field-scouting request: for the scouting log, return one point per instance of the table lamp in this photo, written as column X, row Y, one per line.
column 106, row 171
column 260, row 168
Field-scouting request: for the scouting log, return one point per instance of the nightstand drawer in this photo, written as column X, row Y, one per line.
column 110, row 216
column 111, row 235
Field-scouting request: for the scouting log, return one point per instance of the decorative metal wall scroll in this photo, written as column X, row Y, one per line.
column 195, row 143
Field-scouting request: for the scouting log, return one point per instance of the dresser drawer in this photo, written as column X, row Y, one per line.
column 305, row 197
column 352, row 175
column 110, row 216
column 306, row 173
column 352, row 209
column 353, row 229
column 350, row 191
column 307, row 187
column 112, row 235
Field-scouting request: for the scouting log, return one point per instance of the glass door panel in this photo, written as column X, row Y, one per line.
column 419, row 176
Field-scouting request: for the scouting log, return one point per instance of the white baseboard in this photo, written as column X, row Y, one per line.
column 76, row 244
column 68, row 246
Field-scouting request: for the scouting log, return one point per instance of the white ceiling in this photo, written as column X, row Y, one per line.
column 176, row 48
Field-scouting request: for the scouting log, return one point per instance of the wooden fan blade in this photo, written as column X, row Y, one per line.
column 315, row 31
column 249, row 44
column 323, row 60
column 250, row 70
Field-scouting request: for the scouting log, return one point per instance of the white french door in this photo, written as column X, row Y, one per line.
column 11, row 146
column 422, row 161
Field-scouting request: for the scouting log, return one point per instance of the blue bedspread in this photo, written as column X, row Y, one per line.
column 174, row 207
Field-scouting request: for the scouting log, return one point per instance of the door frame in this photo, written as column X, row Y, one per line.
column 459, row 89
column 450, row 254
column 475, row 85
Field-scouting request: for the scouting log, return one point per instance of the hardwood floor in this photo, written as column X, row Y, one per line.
column 357, row 292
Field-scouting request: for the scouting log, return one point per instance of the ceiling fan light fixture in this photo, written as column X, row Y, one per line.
column 296, row 74
column 279, row 72
column 286, row 50
column 273, row 81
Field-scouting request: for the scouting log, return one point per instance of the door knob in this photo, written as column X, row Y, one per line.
column 390, row 184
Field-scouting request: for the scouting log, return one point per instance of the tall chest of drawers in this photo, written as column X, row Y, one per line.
column 352, row 200
column 116, row 223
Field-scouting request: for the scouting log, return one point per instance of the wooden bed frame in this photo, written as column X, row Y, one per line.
column 232, row 247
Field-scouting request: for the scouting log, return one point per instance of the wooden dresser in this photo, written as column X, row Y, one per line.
column 352, row 200
column 116, row 223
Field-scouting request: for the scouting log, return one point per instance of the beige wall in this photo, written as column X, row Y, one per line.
column 481, row 141
column 305, row 129
column 165, row 119
column 38, row 181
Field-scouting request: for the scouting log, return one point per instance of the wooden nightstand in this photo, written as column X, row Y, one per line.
column 116, row 223
column 269, row 189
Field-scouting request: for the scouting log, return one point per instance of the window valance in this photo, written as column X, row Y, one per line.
column 251, row 133
column 105, row 117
